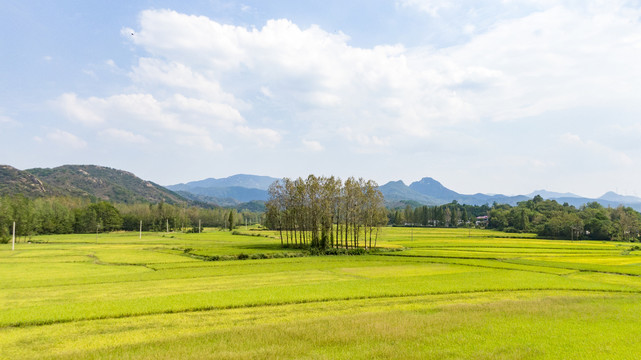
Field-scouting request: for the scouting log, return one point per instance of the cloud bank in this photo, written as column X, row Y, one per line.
column 209, row 85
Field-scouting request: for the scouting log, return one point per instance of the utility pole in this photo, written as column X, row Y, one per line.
column 13, row 242
column 141, row 229
column 167, row 225
column 199, row 226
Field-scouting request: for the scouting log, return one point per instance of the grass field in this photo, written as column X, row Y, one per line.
column 447, row 294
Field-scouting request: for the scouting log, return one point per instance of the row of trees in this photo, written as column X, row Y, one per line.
column 159, row 217
column 323, row 212
column 55, row 216
column 551, row 219
column 546, row 218
column 64, row 215
column 448, row 215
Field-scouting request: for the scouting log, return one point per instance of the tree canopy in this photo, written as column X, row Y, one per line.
column 323, row 212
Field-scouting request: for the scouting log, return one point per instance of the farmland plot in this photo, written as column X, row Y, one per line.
column 448, row 294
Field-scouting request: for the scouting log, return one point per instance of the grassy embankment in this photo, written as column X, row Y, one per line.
column 449, row 294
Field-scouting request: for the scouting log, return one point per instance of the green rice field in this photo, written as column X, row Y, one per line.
column 427, row 294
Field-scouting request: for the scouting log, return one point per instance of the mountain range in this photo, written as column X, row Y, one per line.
column 229, row 191
column 428, row 191
column 243, row 191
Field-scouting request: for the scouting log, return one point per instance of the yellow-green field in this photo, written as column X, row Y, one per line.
column 443, row 294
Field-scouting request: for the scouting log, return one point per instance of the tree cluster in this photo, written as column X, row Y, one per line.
column 163, row 216
column 322, row 212
column 55, row 215
column 448, row 215
column 551, row 219
column 66, row 215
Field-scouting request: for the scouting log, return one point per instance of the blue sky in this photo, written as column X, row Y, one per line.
column 495, row 96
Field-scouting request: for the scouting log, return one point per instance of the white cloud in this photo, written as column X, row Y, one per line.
column 312, row 145
column 262, row 137
column 571, row 138
column 205, row 84
column 124, row 136
column 90, row 73
column 559, row 58
column 520, row 67
column 364, row 142
column 265, row 91
column 66, row 139
column 144, row 112
column 178, row 77
column 313, row 72
column 5, row 120
column 213, row 113
column 431, row 7
column 201, row 142
column 596, row 151
column 78, row 109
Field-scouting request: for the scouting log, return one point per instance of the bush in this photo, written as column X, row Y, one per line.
column 337, row 251
column 357, row 251
column 242, row 256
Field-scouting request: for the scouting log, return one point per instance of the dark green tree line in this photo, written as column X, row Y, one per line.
column 546, row 218
column 63, row 215
column 448, row 215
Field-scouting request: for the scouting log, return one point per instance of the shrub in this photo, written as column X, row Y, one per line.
column 357, row 251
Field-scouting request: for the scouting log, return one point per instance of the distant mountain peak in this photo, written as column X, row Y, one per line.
column 428, row 179
column 430, row 187
column 239, row 180
column 626, row 199
column 552, row 195
column 397, row 182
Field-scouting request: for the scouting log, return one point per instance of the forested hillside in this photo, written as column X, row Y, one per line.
column 103, row 183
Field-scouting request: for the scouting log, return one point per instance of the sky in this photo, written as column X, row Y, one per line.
column 492, row 96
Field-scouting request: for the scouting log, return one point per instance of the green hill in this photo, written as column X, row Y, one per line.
column 89, row 181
